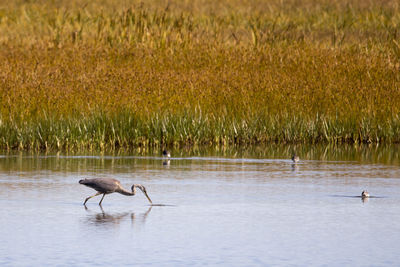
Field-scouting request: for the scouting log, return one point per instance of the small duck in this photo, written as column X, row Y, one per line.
column 295, row 158
column 166, row 153
column 364, row 194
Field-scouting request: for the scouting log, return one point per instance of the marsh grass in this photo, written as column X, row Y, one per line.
column 107, row 75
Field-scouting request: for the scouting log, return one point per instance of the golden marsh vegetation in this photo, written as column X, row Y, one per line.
column 109, row 74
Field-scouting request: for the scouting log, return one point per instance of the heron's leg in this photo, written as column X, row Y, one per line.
column 102, row 198
column 98, row 193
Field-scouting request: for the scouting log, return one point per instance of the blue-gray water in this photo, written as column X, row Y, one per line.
column 232, row 210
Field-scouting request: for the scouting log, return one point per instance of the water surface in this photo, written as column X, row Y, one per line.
column 240, row 207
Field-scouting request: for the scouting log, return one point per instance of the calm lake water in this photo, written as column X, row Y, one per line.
column 237, row 207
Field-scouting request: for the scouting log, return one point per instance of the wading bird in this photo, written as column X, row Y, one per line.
column 364, row 194
column 295, row 158
column 166, row 153
column 107, row 186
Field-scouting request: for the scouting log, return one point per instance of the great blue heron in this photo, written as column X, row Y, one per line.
column 364, row 194
column 107, row 186
column 295, row 158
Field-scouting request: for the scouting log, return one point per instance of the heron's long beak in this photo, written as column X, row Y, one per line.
column 151, row 202
column 145, row 193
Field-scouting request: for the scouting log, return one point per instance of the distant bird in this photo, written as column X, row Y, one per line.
column 295, row 158
column 107, row 186
column 364, row 194
column 166, row 153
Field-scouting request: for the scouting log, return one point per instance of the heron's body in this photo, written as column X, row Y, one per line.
column 103, row 185
column 108, row 185
column 295, row 158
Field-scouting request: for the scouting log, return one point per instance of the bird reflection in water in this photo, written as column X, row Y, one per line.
column 295, row 167
column 104, row 218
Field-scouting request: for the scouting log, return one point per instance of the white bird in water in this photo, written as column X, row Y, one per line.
column 166, row 153
column 364, row 194
column 107, row 186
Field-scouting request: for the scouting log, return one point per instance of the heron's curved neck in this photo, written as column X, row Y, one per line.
column 125, row 192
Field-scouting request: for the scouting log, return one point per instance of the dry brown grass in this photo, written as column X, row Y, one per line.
column 199, row 72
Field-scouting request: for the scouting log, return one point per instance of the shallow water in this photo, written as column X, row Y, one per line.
column 235, row 208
